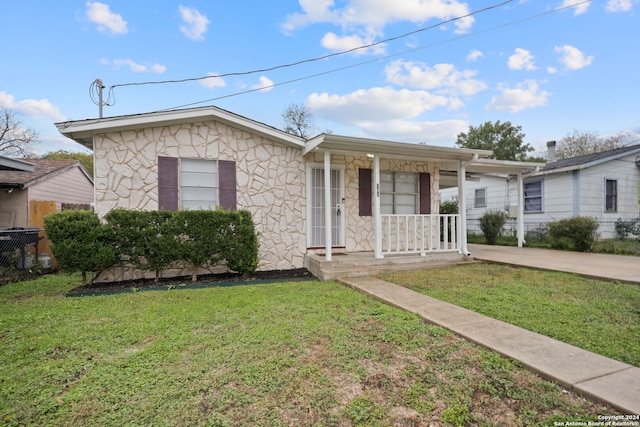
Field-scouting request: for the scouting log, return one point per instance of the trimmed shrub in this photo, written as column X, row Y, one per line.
column 144, row 238
column 626, row 227
column 155, row 240
column 491, row 223
column 199, row 235
column 241, row 247
column 578, row 233
column 80, row 242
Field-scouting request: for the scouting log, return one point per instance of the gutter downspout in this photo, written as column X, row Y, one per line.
column 462, row 204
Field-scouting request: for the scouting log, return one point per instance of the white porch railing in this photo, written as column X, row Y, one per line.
column 420, row 234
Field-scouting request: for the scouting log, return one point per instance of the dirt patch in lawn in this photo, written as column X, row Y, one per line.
column 223, row 279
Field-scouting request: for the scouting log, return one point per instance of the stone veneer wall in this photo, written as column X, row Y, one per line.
column 270, row 180
column 359, row 230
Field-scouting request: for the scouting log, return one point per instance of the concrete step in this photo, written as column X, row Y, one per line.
column 359, row 264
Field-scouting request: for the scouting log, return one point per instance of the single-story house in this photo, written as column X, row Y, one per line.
column 604, row 186
column 30, row 189
column 23, row 181
column 382, row 195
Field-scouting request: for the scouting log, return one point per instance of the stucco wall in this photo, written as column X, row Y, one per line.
column 270, row 179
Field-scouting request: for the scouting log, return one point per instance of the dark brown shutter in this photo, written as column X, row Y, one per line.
column 227, row 178
column 364, row 192
column 425, row 193
column 168, row 183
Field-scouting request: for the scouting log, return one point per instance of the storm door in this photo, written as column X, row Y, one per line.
column 315, row 190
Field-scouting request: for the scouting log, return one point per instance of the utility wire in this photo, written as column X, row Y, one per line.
column 335, row 70
column 320, row 58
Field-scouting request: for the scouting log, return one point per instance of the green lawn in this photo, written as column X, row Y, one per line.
column 299, row 354
column 602, row 317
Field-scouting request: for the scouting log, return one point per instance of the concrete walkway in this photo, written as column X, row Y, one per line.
column 610, row 267
column 600, row 378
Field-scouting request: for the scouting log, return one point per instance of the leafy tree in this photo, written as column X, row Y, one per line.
column 85, row 158
column 505, row 140
column 581, row 143
column 14, row 139
column 297, row 119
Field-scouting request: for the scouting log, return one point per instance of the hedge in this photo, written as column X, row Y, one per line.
column 578, row 233
column 153, row 240
column 80, row 242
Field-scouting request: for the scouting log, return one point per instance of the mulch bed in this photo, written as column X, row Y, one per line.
column 208, row 280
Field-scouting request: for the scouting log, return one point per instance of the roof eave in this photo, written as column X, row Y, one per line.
column 389, row 149
column 83, row 131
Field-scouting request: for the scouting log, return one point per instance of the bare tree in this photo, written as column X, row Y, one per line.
column 297, row 119
column 14, row 139
column 581, row 143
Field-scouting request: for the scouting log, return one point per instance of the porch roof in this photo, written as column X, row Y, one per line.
column 390, row 149
column 477, row 161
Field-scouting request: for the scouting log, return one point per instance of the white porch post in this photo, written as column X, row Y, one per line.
column 327, row 205
column 521, row 240
column 462, row 208
column 376, row 207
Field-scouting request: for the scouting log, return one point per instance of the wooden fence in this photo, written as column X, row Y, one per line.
column 38, row 209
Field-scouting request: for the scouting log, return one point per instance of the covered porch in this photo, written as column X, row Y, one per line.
column 411, row 236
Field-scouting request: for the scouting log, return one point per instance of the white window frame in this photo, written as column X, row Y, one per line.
column 186, row 185
column 524, row 197
column 484, row 198
column 607, row 195
column 396, row 194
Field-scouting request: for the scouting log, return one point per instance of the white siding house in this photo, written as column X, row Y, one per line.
column 604, row 186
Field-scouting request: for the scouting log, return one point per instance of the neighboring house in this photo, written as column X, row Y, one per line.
column 383, row 195
column 25, row 180
column 604, row 186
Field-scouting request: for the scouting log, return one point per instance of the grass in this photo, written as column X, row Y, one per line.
column 303, row 354
column 602, row 317
column 606, row 246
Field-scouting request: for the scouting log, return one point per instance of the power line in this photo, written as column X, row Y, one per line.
column 335, row 70
column 320, row 58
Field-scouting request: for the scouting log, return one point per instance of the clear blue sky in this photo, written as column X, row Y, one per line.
column 531, row 62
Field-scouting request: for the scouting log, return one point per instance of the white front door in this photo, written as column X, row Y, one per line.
column 315, row 192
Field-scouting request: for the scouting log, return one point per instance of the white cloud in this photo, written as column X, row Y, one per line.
column 100, row 14
column 521, row 60
column 388, row 113
column 373, row 105
column 524, row 95
column 212, row 81
column 378, row 13
column 573, row 58
column 196, row 23
column 265, row 84
column 474, row 55
column 619, row 5
column 134, row 66
column 443, row 78
column 336, row 43
column 552, row 70
column 579, row 9
column 31, row 107
column 433, row 133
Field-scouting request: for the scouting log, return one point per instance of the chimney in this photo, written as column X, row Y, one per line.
column 551, row 152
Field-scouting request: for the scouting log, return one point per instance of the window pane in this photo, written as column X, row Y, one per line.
column 611, row 195
column 198, row 184
column 480, row 200
column 533, row 196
